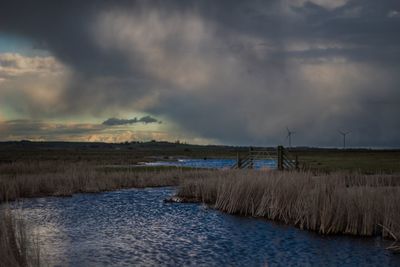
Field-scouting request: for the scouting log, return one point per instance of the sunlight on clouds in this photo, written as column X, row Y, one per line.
column 13, row 64
column 171, row 46
column 180, row 51
column 30, row 82
column 126, row 135
column 37, row 130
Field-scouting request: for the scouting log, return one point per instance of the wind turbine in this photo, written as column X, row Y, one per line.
column 289, row 136
column 344, row 137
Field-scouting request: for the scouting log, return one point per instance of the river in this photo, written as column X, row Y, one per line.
column 135, row 227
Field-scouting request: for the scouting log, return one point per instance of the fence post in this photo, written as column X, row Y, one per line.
column 251, row 157
column 239, row 161
column 280, row 157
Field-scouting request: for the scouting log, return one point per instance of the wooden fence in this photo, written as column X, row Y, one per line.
column 284, row 160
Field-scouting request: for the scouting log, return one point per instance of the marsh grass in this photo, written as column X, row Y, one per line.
column 17, row 245
column 337, row 203
column 35, row 179
column 56, row 178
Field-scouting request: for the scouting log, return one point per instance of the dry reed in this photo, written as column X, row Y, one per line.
column 34, row 179
column 329, row 204
column 336, row 203
column 17, row 246
column 55, row 178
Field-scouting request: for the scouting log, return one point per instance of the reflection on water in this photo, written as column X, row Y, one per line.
column 135, row 227
column 212, row 163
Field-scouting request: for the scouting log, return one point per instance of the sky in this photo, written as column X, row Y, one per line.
column 201, row 71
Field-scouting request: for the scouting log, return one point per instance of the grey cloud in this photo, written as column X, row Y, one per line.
column 115, row 121
column 254, row 67
column 149, row 119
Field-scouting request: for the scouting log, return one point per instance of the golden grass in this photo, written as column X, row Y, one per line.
column 17, row 246
column 335, row 203
column 34, row 179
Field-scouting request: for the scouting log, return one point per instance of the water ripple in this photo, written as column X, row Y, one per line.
column 135, row 227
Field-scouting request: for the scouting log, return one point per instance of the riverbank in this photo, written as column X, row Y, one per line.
column 337, row 203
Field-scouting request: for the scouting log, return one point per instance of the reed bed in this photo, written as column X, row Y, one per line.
column 336, row 203
column 35, row 179
column 57, row 178
column 17, row 245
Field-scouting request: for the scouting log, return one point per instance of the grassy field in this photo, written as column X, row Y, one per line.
column 109, row 154
column 326, row 160
column 364, row 161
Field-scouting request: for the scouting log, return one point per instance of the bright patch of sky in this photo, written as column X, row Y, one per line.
column 20, row 45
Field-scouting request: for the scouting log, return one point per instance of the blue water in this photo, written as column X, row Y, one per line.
column 212, row 163
column 136, row 228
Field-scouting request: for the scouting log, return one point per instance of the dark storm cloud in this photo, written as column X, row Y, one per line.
column 115, row 121
column 235, row 71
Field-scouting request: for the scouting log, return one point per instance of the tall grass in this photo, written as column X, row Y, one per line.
column 17, row 246
column 335, row 203
column 34, row 179
column 55, row 178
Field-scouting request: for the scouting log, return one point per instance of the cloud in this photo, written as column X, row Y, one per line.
column 13, row 64
column 329, row 4
column 115, row 121
column 38, row 130
column 393, row 14
column 149, row 119
column 238, row 77
column 32, row 86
